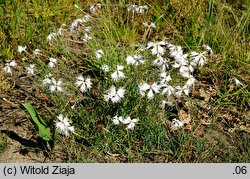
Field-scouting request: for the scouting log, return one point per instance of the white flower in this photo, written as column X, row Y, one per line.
column 75, row 24
column 51, row 35
column 135, row 60
column 154, row 88
column 127, row 121
column 178, row 91
column 116, row 120
column 83, row 83
column 163, row 104
column 48, row 79
column 157, row 47
column 86, row 18
column 160, row 61
column 20, row 49
column 113, row 95
column 198, row 59
column 176, row 124
column 59, row 32
column 186, row 70
column 132, row 8
column 168, row 89
column 140, row 9
column 52, row 62
column 130, row 60
column 118, row 74
column 30, row 69
column 87, row 29
column 208, row 49
column 186, row 90
column 63, row 126
column 98, row 54
column 7, row 68
column 56, row 85
column 181, row 61
column 93, row 8
column 86, row 37
column 165, row 78
column 151, row 25
column 175, row 51
column 105, row 68
column 190, row 81
column 130, row 122
column 37, row 51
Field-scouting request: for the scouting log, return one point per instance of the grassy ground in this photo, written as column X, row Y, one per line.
column 217, row 109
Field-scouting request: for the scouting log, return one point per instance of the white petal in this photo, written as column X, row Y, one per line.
column 186, row 90
column 208, row 49
column 71, row 128
column 144, row 87
column 112, row 90
column 155, row 87
column 150, row 44
column 52, row 88
column 83, row 88
column 119, row 67
column 176, row 65
column 114, row 76
column 7, row 69
column 46, row 81
column 51, row 64
column 127, row 120
column 176, row 123
column 121, row 92
column 169, row 90
column 20, row 49
column 59, row 88
column 190, row 82
column 178, row 91
column 135, row 120
column 150, row 94
column 59, row 82
column 115, row 99
column 130, row 60
column 13, row 63
column 105, row 68
column 115, row 120
column 131, row 126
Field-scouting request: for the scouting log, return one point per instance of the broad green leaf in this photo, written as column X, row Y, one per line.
column 43, row 129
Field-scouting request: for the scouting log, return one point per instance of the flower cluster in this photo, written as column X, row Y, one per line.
column 161, row 54
column 175, row 58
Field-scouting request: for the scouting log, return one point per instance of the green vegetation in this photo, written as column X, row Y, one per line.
column 215, row 114
column 3, row 143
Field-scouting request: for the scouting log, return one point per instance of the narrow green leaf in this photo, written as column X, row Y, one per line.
column 43, row 130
